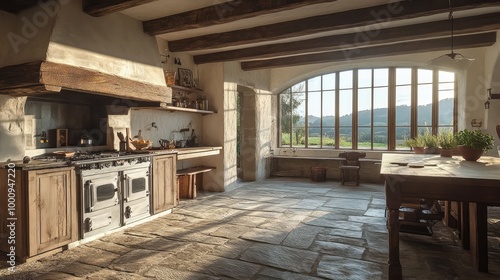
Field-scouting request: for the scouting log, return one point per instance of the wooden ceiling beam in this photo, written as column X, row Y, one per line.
column 98, row 8
column 441, row 44
column 223, row 12
column 349, row 19
column 483, row 23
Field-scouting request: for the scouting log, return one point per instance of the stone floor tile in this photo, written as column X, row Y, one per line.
column 310, row 204
column 271, row 273
column 265, row 235
column 218, row 266
column 109, row 247
column 114, row 275
column 79, row 269
column 162, row 272
column 338, row 267
column 264, row 214
column 232, row 249
column 162, row 244
column 342, row 239
column 321, row 222
column 368, row 220
column 230, row 231
column 52, row 276
column 291, row 259
column 302, row 237
column 251, row 221
column 348, row 203
column 346, row 233
column 280, row 225
column 97, row 257
column 373, row 212
column 338, row 249
column 127, row 238
column 136, row 260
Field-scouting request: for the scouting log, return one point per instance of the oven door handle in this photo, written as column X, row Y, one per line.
column 91, row 196
column 127, row 183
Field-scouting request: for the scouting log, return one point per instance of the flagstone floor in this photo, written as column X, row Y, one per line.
column 274, row 229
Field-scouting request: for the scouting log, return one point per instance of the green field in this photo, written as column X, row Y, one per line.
column 328, row 142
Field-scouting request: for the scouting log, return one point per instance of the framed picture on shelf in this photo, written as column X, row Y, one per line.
column 185, row 77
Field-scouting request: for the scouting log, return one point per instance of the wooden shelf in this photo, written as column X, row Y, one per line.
column 178, row 109
column 186, row 89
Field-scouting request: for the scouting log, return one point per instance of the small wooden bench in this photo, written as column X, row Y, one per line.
column 190, row 179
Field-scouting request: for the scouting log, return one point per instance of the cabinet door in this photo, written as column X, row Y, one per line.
column 52, row 209
column 164, row 192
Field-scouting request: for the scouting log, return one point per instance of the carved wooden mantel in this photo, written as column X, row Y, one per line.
column 42, row 77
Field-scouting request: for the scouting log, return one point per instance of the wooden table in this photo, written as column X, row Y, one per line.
column 476, row 183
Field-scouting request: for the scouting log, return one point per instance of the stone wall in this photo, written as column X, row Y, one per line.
column 12, row 146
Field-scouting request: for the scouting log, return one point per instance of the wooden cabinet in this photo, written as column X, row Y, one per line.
column 164, row 191
column 46, row 211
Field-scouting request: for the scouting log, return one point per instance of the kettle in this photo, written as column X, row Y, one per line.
column 164, row 143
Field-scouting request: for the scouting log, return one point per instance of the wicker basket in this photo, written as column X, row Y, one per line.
column 318, row 173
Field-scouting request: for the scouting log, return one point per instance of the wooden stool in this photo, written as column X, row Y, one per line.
column 190, row 179
column 350, row 166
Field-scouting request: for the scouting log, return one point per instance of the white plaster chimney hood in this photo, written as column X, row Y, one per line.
column 55, row 46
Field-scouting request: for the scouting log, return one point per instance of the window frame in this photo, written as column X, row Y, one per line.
column 391, row 110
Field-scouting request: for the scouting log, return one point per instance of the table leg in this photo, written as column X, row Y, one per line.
column 479, row 235
column 465, row 225
column 393, row 202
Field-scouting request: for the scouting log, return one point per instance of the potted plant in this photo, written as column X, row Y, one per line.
column 473, row 143
column 431, row 143
column 416, row 144
column 446, row 142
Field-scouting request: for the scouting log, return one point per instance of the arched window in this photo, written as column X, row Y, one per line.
column 372, row 108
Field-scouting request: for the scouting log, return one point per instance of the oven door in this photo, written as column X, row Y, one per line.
column 100, row 191
column 136, row 184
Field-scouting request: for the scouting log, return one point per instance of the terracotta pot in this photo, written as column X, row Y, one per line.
column 470, row 154
column 431, row 150
column 446, row 152
column 418, row 150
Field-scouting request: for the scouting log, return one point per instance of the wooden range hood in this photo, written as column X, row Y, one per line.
column 43, row 77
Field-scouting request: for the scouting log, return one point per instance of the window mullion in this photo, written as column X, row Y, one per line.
column 414, row 102
column 306, row 124
column 354, row 131
column 337, row 117
column 391, row 130
column 372, row 133
column 435, row 101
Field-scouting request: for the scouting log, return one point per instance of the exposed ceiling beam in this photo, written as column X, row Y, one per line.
column 441, row 44
column 15, row 6
column 98, row 8
column 223, row 12
column 488, row 22
column 302, row 27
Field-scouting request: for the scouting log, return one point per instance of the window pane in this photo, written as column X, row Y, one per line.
column 329, row 108
column 345, row 137
column 329, row 81
column 380, row 138
column 403, row 76
column 364, row 78
column 300, row 87
column 314, row 106
column 380, row 106
column 345, row 79
column 345, row 110
column 328, row 137
column 314, row 137
column 381, row 77
column 286, row 118
column 402, row 133
column 445, row 108
column 314, row 84
column 424, row 102
column 424, row 76
column 364, row 138
column 298, row 136
column 446, row 86
column 364, row 107
column 403, row 105
column 446, row 77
